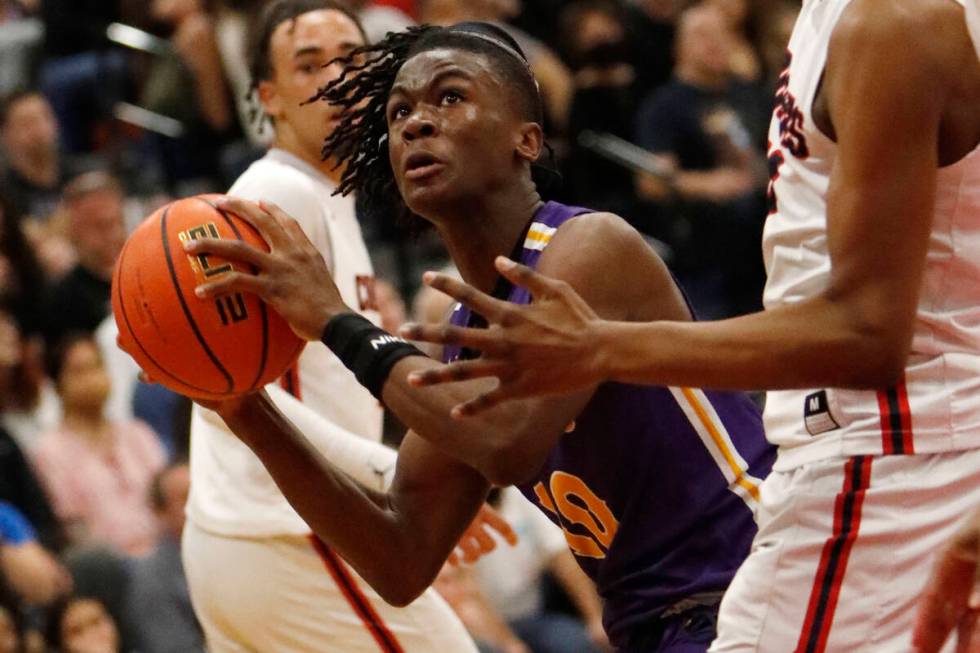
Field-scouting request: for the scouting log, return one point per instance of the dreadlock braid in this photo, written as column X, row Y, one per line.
column 360, row 142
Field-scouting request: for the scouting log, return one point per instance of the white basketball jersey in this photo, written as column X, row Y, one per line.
column 231, row 492
column 936, row 406
column 973, row 23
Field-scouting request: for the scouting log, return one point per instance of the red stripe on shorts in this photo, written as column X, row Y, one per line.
column 896, row 420
column 833, row 559
column 359, row 603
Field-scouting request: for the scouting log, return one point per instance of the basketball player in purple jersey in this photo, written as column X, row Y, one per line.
column 655, row 487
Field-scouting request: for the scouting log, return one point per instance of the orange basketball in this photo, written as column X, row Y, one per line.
column 203, row 348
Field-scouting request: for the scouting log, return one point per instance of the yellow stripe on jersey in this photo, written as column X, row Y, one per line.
column 538, row 236
column 709, row 427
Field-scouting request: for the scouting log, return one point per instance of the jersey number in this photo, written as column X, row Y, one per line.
column 571, row 500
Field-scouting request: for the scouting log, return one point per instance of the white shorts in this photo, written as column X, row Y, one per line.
column 843, row 551
column 282, row 595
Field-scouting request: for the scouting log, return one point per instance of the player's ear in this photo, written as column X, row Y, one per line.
column 268, row 94
column 530, row 141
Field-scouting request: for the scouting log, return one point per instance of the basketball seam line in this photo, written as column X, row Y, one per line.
column 186, row 309
column 262, row 309
column 132, row 332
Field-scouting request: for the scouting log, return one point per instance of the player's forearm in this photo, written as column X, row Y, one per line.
column 577, row 585
column 358, row 523
column 501, row 444
column 818, row 342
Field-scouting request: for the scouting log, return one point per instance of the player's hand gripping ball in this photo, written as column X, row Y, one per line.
column 203, row 348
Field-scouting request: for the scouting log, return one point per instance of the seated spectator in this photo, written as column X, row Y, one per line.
column 31, row 572
column 511, row 577
column 190, row 86
column 97, row 472
column 22, row 279
column 28, row 403
column 596, row 47
column 697, row 124
column 35, row 171
column 158, row 597
column 82, row 624
column 81, row 300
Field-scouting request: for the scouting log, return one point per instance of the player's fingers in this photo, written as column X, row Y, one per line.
column 478, row 544
column 232, row 282
column 495, row 520
column 487, row 341
column 236, row 251
column 458, row 371
column 521, row 275
column 490, row 308
column 453, row 559
column 944, row 600
column 256, row 216
column 483, row 403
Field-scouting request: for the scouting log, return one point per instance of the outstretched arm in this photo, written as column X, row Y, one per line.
column 886, row 112
column 618, row 273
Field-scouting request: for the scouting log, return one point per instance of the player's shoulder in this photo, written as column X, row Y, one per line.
column 610, row 264
column 891, row 27
column 269, row 175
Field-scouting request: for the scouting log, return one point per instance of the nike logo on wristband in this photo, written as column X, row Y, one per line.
column 384, row 340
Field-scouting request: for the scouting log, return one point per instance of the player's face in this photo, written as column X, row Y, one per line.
column 8, row 634
column 452, row 130
column 299, row 52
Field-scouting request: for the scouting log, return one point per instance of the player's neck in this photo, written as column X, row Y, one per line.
column 489, row 228
column 286, row 140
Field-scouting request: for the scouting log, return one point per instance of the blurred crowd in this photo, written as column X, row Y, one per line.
column 656, row 110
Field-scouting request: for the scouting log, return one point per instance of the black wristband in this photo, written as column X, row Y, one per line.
column 365, row 349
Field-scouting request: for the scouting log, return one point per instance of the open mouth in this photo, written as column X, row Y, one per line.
column 420, row 165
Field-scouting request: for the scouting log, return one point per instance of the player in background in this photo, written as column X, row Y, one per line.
column 655, row 487
column 870, row 341
column 258, row 579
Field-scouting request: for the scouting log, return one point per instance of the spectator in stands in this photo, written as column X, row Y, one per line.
column 35, row 170
column 696, row 124
column 159, row 600
column 81, row 624
column 652, row 24
column 190, row 86
column 27, row 568
column 80, row 301
column 96, row 471
column 28, row 402
column 595, row 46
column 484, row 623
column 80, row 73
column 18, row 484
column 511, row 578
column 22, row 279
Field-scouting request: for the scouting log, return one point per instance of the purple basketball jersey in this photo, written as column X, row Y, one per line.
column 653, row 486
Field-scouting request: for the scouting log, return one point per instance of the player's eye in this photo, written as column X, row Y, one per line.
column 397, row 112
column 451, row 97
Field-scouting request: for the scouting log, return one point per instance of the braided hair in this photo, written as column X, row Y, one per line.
column 359, row 143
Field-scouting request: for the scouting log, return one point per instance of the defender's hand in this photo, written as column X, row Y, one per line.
column 951, row 599
column 292, row 277
column 546, row 347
